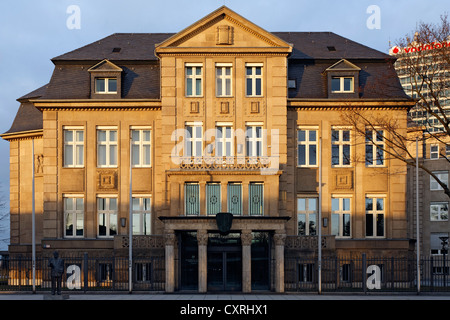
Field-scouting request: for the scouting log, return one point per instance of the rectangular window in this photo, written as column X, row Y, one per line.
column 340, row 217
column 307, row 147
column 192, row 199
column 340, row 147
column 73, row 147
column 256, row 199
column 436, row 246
column 307, row 216
column 254, row 141
column 141, row 147
column 213, row 198
column 374, row 148
column 143, row 271
column 223, row 79
column 106, row 85
column 224, row 141
column 342, row 84
column 142, row 215
column 194, row 140
column 434, row 151
column 442, row 176
column 253, row 78
column 106, row 147
column 439, row 211
column 375, row 213
column 234, row 198
column 73, row 216
column 194, row 80
column 107, row 217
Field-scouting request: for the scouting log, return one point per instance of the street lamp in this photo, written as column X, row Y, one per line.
column 444, row 241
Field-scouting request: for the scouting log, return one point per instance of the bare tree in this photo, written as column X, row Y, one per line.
column 423, row 60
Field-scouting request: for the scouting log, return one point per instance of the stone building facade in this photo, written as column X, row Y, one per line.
column 222, row 116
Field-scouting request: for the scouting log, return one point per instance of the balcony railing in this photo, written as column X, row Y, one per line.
column 226, row 163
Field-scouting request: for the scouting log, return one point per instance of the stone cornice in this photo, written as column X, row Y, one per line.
column 23, row 135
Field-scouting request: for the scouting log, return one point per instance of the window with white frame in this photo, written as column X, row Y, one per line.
column 224, row 80
column 438, row 211
column 194, row 79
column 436, row 247
column 442, row 176
column 254, row 140
column 224, row 140
column 106, row 147
column 141, row 147
column 253, row 78
column 340, row 147
column 307, row 145
column 374, row 148
column 342, row 84
column 341, row 217
column 306, row 216
column 73, row 216
column 375, row 216
column 73, row 147
column 142, row 215
column 107, row 216
column 106, row 85
column 434, row 151
column 194, row 139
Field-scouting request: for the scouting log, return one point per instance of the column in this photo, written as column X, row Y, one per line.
column 202, row 240
column 170, row 260
column 246, row 241
column 279, row 239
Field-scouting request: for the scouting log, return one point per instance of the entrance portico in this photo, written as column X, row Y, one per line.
column 224, row 263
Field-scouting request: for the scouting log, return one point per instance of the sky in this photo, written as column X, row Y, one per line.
column 32, row 32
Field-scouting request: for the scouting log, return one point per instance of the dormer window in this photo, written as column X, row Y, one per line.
column 342, row 84
column 106, row 85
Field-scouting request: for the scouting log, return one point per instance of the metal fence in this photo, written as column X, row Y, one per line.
column 84, row 274
column 367, row 275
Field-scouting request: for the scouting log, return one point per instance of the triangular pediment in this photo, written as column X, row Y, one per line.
column 343, row 65
column 223, row 30
column 105, row 66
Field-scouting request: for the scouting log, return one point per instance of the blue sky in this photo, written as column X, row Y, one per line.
column 33, row 32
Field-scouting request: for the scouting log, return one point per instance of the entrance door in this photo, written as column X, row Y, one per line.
column 224, row 264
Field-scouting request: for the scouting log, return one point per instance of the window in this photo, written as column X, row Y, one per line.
column 307, row 147
column 254, row 140
column 340, row 217
column 107, row 216
column 234, row 198
column 442, row 176
column 434, row 151
column 375, row 216
column 106, row 147
column 142, row 215
column 213, row 199
column 256, row 199
column 342, row 84
column 106, row 85
column 306, row 272
column 194, row 140
column 253, row 78
column 194, row 80
column 143, row 271
column 306, row 216
column 374, row 148
column 192, row 199
column 436, row 243
column 340, row 147
column 73, row 216
column 439, row 211
column 73, row 147
column 141, row 147
column 224, row 141
column 223, row 80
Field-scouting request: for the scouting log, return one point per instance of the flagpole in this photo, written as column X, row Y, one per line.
column 417, row 216
column 33, row 219
column 130, row 227
column 319, row 244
